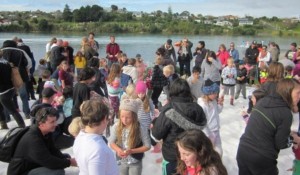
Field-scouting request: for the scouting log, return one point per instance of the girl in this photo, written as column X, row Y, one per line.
column 114, row 87
column 212, row 108
column 129, row 139
column 197, row 156
column 65, row 77
column 229, row 80
column 223, row 55
column 79, row 61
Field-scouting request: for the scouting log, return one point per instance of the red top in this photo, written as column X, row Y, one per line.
column 193, row 170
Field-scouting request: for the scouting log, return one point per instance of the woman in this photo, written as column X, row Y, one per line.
column 7, row 92
column 223, row 55
column 87, row 50
column 268, row 130
column 210, row 68
column 264, row 57
column 185, row 56
column 180, row 114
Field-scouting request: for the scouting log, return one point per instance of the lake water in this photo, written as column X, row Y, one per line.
column 145, row 45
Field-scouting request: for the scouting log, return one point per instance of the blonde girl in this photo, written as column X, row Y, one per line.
column 229, row 75
column 129, row 139
column 212, row 108
column 79, row 61
column 196, row 155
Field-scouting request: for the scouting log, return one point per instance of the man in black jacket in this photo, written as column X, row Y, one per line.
column 251, row 56
column 35, row 152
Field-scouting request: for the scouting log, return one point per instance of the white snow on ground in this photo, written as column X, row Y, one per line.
column 232, row 126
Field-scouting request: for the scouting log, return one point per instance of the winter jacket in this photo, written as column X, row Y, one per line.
column 200, row 57
column 229, row 81
column 170, row 52
column 56, row 56
column 252, row 54
column 242, row 73
column 266, row 135
column 35, row 150
column 158, row 79
column 211, row 71
column 176, row 117
column 5, row 76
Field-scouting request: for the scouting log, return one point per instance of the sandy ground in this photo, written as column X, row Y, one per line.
column 232, row 126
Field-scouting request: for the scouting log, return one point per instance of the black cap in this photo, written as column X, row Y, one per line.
column 254, row 42
column 169, row 41
column 138, row 55
column 48, row 92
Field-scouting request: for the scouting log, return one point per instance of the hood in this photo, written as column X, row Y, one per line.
column 9, row 43
column 272, row 101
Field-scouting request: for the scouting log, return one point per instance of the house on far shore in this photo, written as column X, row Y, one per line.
column 223, row 23
column 245, row 21
column 5, row 22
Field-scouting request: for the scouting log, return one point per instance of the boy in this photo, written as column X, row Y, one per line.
column 241, row 81
column 169, row 73
column 45, row 77
column 195, row 82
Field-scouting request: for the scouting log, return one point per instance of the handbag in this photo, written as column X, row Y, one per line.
column 16, row 76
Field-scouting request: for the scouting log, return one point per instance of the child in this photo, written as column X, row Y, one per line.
column 114, row 87
column 90, row 149
column 255, row 97
column 65, row 77
column 195, row 82
column 75, row 126
column 45, row 77
column 196, row 155
column 41, row 68
column 263, row 74
column 141, row 68
column 212, row 109
column 169, row 73
column 229, row 76
column 129, row 139
column 158, row 81
column 288, row 71
column 67, row 107
column 79, row 61
column 241, row 81
column 130, row 69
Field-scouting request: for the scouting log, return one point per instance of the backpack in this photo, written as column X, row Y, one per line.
column 9, row 143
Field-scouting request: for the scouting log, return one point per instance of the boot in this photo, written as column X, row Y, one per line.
column 231, row 101
column 3, row 125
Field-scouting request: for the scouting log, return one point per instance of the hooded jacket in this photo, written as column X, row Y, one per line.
column 266, row 135
column 176, row 117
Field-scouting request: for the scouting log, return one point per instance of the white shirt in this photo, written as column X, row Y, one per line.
column 93, row 156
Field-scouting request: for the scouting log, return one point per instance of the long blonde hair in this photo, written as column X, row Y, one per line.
column 134, row 133
column 115, row 71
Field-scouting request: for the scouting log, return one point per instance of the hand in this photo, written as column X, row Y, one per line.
column 220, row 101
column 73, row 162
column 128, row 152
column 121, row 153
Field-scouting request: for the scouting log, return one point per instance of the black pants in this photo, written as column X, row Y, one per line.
column 251, row 163
column 185, row 65
column 155, row 95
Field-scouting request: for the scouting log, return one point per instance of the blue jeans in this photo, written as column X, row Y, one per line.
column 24, row 97
column 46, row 171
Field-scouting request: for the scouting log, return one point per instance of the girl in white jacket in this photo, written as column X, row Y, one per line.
column 212, row 108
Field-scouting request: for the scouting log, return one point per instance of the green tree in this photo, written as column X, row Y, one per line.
column 43, row 25
column 114, row 8
column 67, row 14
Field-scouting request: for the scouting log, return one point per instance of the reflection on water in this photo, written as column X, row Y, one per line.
column 146, row 45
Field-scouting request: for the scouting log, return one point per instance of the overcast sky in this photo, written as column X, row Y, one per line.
column 269, row 8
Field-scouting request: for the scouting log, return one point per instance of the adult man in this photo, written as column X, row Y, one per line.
column 234, row 53
column 35, row 152
column 94, row 44
column 112, row 50
column 56, row 54
column 170, row 51
column 61, row 140
column 251, row 56
column 20, row 59
column 290, row 53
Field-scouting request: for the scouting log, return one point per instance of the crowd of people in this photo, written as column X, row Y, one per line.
column 103, row 105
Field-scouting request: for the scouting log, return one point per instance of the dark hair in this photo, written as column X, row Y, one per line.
column 202, row 43
column 93, row 112
column 259, row 94
column 284, row 89
column 196, row 141
column 93, row 62
column 196, row 69
column 180, row 88
column 161, row 51
column 131, row 61
column 92, row 33
column 210, row 54
column 288, row 68
column 68, row 92
column 86, row 74
column 43, row 113
column 46, row 74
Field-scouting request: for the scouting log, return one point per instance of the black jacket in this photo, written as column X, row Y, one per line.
column 176, row 117
column 252, row 54
column 35, row 150
column 265, row 137
column 158, row 79
column 242, row 73
column 56, row 56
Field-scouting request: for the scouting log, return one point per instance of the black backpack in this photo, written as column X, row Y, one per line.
column 9, row 143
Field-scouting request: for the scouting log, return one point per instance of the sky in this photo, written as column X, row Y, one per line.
column 269, row 8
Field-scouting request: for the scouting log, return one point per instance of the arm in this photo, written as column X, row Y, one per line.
column 216, row 63
column 112, row 142
column 146, row 143
column 283, row 132
column 161, row 127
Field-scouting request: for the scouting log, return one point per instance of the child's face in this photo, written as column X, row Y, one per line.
column 166, row 74
column 196, row 75
column 124, row 58
column 65, row 67
column 126, row 117
column 213, row 96
column 241, row 66
column 230, row 63
column 141, row 95
column 189, row 158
